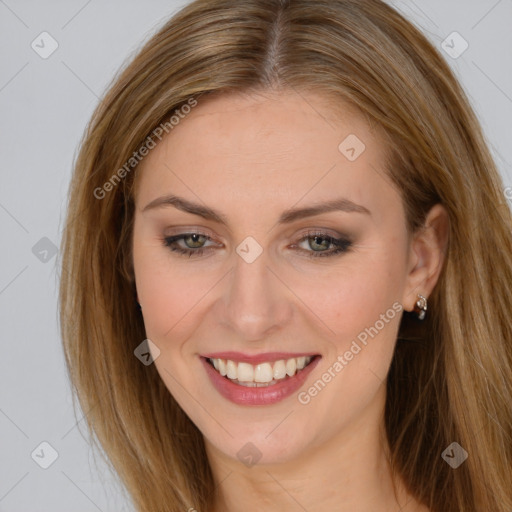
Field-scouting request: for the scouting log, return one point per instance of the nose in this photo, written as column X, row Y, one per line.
column 255, row 303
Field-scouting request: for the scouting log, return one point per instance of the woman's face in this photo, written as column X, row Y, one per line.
column 287, row 243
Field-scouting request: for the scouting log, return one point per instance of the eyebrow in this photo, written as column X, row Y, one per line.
column 288, row 216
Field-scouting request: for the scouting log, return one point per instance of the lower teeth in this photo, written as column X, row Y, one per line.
column 254, row 384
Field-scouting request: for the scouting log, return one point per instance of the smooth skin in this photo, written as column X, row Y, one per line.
column 250, row 157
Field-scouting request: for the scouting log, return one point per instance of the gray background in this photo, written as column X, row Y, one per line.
column 44, row 107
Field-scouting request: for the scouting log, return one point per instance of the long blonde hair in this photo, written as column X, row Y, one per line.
column 450, row 379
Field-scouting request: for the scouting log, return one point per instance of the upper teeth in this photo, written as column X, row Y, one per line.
column 263, row 372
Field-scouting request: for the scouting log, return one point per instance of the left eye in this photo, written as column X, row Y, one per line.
column 320, row 243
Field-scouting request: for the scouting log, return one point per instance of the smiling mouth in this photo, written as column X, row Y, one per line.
column 262, row 374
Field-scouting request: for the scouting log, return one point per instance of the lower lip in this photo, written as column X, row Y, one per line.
column 243, row 395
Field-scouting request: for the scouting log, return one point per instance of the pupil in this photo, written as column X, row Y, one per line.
column 317, row 238
column 195, row 239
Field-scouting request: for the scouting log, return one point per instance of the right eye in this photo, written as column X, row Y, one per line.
column 194, row 243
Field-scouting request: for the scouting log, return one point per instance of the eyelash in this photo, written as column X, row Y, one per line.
column 342, row 245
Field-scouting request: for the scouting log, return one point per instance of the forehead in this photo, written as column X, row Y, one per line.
column 253, row 149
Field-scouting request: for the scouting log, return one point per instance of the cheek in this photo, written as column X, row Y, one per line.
column 352, row 296
column 167, row 296
column 361, row 307
column 170, row 301
column 364, row 314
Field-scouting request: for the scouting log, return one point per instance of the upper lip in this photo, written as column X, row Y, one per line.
column 266, row 357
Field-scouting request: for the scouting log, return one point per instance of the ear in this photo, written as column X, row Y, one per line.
column 427, row 253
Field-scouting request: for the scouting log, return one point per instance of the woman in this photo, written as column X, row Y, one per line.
column 286, row 269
